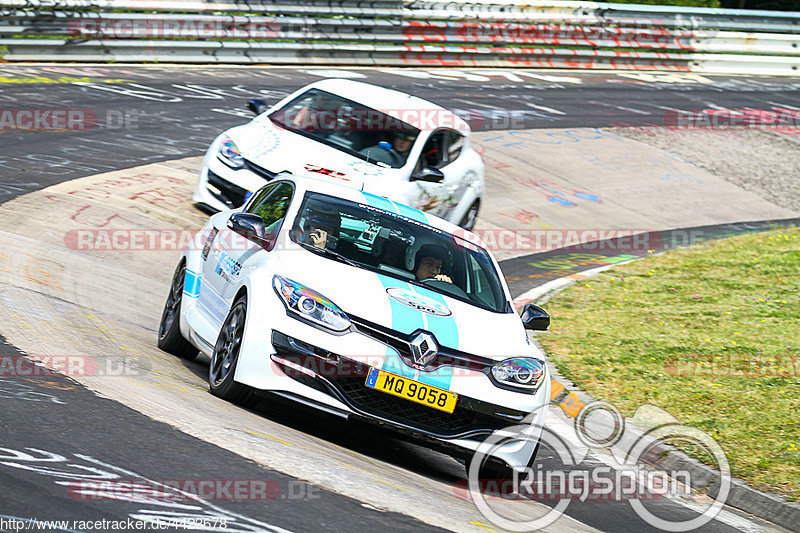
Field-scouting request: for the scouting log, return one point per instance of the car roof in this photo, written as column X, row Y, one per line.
column 305, row 184
column 427, row 116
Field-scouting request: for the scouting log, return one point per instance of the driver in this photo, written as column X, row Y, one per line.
column 319, row 226
column 428, row 263
column 395, row 154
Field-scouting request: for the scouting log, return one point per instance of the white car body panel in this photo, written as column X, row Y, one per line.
column 277, row 149
column 247, row 268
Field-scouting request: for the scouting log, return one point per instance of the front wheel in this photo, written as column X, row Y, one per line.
column 169, row 331
column 468, row 222
column 226, row 356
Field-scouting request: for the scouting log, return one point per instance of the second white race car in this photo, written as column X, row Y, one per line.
column 379, row 140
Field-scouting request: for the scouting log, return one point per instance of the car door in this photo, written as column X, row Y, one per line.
column 228, row 253
column 441, row 151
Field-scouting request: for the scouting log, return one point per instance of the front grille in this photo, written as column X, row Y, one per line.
column 226, row 192
column 347, row 383
column 401, row 342
column 463, row 420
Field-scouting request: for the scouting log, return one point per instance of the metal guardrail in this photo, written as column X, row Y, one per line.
column 477, row 33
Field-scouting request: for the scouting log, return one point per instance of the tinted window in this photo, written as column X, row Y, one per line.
column 479, row 280
column 455, row 142
column 272, row 208
column 433, row 152
column 347, row 126
column 259, row 197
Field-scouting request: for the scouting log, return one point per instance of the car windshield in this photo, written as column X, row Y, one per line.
column 395, row 245
column 348, row 126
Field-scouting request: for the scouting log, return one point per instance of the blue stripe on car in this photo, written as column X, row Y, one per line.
column 191, row 284
column 394, row 207
column 379, row 202
column 445, row 329
column 412, row 213
column 407, row 320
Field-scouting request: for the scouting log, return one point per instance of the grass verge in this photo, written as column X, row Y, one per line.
column 709, row 333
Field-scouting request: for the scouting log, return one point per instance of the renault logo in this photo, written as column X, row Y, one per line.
column 423, row 348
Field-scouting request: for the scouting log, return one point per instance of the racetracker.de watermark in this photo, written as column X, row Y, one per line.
column 55, row 120
column 75, row 366
column 398, row 120
column 208, row 523
column 175, row 27
column 735, row 364
column 523, row 240
column 732, row 118
column 181, row 490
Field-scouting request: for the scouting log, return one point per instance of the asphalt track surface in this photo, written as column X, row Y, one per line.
column 157, row 114
column 138, row 115
column 54, row 430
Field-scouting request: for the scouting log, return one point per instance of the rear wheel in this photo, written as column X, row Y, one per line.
column 169, row 331
column 468, row 222
column 226, row 357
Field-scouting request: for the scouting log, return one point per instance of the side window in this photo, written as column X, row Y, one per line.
column 433, row 151
column 259, row 196
column 272, row 208
column 455, row 142
column 480, row 288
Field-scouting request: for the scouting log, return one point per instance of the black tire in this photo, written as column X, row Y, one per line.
column 226, row 356
column 500, row 470
column 468, row 222
column 169, row 330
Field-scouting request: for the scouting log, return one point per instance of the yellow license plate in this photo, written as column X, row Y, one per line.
column 411, row 390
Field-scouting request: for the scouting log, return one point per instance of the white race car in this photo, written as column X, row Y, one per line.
column 363, row 307
column 379, row 140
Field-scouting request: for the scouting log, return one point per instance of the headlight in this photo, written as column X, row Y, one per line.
column 310, row 304
column 523, row 372
column 229, row 153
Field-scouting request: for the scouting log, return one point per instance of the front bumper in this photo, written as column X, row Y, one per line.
column 459, row 433
column 344, row 379
column 222, row 187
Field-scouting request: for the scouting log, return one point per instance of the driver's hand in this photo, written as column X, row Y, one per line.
column 442, row 277
column 319, row 238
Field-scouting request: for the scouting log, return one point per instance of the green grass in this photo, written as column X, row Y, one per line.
column 709, row 333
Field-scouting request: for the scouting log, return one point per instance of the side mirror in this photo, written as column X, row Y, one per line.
column 432, row 175
column 252, row 228
column 257, row 105
column 535, row 318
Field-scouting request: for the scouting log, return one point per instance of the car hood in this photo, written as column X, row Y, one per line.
column 277, row 149
column 391, row 302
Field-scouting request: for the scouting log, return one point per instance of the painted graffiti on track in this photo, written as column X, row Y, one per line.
column 84, row 475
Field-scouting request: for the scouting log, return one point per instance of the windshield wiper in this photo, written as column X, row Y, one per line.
column 330, row 253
